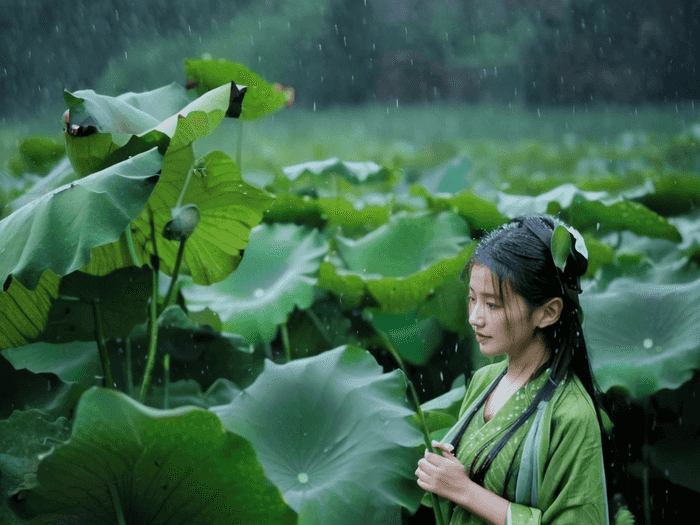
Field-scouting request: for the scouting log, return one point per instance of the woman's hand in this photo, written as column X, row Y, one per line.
column 443, row 475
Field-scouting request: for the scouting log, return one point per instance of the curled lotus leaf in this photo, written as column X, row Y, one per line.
column 643, row 336
column 326, row 418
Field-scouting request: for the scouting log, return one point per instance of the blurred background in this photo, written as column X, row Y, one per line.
column 534, row 54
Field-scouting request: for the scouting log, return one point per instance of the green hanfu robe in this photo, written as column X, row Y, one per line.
column 557, row 473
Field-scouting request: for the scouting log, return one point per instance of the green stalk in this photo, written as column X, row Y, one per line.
column 153, row 340
column 132, row 249
column 101, row 346
column 129, row 369
column 114, row 493
column 176, row 272
column 421, row 417
column 285, row 342
column 166, row 381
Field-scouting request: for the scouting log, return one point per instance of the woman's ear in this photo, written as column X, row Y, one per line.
column 550, row 312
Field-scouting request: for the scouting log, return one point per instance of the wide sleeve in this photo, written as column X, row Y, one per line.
column 571, row 475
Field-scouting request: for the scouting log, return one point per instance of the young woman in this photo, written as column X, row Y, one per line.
column 527, row 448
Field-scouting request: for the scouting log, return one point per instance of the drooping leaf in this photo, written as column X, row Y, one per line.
column 642, row 336
column 74, row 362
column 278, row 273
column 261, row 98
column 425, row 250
column 229, row 208
column 58, row 230
column 127, row 463
column 325, row 419
column 59, row 175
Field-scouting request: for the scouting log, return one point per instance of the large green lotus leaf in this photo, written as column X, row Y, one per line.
column 59, row 175
column 448, row 305
column 317, row 423
column 121, row 298
column 591, row 211
column 278, row 273
column 127, row 463
column 643, row 336
column 479, row 213
column 117, row 137
column 450, row 177
column 674, row 194
column 400, row 263
column 129, row 113
column 23, row 312
column 356, row 172
column 415, row 339
column 442, row 412
column 74, row 362
column 229, row 208
column 261, row 98
column 58, row 230
column 23, row 437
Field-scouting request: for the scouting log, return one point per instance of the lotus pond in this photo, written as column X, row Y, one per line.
column 205, row 317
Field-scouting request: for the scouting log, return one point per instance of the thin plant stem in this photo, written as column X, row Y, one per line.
column 176, row 272
column 101, row 346
column 419, row 411
column 166, row 381
column 129, row 369
column 184, row 187
column 153, row 339
column 285, row 342
column 114, row 493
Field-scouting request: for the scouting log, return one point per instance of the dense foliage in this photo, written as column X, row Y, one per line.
column 175, row 305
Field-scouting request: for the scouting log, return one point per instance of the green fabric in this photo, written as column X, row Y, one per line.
column 570, row 491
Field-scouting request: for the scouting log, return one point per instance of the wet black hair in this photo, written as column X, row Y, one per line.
column 519, row 253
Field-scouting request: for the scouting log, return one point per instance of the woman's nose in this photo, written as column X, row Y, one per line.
column 476, row 315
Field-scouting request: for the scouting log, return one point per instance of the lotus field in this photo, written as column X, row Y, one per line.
column 183, row 341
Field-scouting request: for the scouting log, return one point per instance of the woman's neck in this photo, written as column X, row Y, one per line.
column 523, row 365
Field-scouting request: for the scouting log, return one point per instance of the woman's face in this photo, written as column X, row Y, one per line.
column 496, row 333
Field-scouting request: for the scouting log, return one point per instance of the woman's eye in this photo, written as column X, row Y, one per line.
column 491, row 305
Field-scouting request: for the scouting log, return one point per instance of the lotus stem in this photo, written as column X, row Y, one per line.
column 129, row 369
column 190, row 171
column 101, row 346
column 153, row 340
column 114, row 493
column 285, row 341
column 166, row 381
column 419, row 411
column 176, row 272
column 132, row 248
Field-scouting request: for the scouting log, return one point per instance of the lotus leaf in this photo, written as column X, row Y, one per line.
column 591, row 210
column 188, row 392
column 23, row 312
column 355, row 172
column 479, row 213
column 59, row 175
column 425, row 249
column 37, row 154
column 58, row 230
column 127, row 463
column 278, row 273
column 651, row 325
column 261, row 97
column 415, row 339
column 329, row 420
column 72, row 362
column 229, row 208
column 23, row 437
column 451, row 177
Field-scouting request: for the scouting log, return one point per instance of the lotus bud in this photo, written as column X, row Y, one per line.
column 183, row 223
